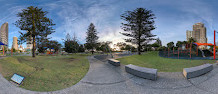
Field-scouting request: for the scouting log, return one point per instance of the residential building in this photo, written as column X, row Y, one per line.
column 188, row 35
column 199, row 34
column 4, row 34
column 15, row 44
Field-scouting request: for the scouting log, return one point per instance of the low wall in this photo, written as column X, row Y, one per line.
column 147, row 73
column 114, row 62
column 197, row 71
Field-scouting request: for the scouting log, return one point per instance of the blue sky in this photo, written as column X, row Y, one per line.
column 173, row 17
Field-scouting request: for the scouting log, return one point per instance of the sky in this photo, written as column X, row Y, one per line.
column 173, row 17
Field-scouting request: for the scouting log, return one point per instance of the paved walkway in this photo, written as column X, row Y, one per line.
column 103, row 78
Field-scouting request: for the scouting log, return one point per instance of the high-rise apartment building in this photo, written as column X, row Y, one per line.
column 15, row 44
column 188, row 34
column 199, row 34
column 4, row 34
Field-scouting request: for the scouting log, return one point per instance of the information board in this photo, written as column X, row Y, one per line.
column 17, row 78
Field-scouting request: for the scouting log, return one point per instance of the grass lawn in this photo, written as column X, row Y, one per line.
column 153, row 60
column 46, row 73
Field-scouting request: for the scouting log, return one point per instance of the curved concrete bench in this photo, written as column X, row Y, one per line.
column 197, row 71
column 147, row 73
column 114, row 62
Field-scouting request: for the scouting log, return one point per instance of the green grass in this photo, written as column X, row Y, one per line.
column 152, row 60
column 46, row 73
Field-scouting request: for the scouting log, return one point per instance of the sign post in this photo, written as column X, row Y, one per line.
column 17, row 78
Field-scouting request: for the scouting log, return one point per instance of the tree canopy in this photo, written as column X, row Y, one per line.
column 158, row 41
column 35, row 24
column 91, row 38
column 138, row 26
column 170, row 44
column 121, row 45
column 179, row 43
column 53, row 44
column 71, row 45
column 191, row 40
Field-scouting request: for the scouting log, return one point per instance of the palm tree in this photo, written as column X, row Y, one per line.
column 170, row 45
column 191, row 40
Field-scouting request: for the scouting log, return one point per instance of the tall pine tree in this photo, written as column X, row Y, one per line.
column 91, row 38
column 71, row 44
column 138, row 26
column 34, row 20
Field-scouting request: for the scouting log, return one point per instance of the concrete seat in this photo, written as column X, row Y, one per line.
column 147, row 73
column 197, row 71
column 114, row 62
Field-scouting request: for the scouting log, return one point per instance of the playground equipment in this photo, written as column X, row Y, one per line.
column 192, row 50
column 199, row 44
column 210, row 44
column 3, row 47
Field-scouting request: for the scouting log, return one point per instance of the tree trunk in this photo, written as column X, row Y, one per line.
column 139, row 39
column 33, row 35
column 139, row 43
column 139, row 49
column 34, row 45
column 92, row 51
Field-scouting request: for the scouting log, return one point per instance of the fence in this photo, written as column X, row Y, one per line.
column 186, row 54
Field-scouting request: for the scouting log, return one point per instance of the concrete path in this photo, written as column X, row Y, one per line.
column 103, row 78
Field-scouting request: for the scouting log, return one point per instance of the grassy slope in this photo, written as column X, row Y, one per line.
column 46, row 73
column 152, row 60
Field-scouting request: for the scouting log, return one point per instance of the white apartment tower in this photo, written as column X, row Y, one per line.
column 15, row 44
column 4, row 34
column 199, row 34
column 188, row 34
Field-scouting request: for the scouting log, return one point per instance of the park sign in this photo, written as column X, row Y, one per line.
column 17, row 78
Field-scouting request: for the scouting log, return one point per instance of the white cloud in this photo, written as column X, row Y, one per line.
column 76, row 19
